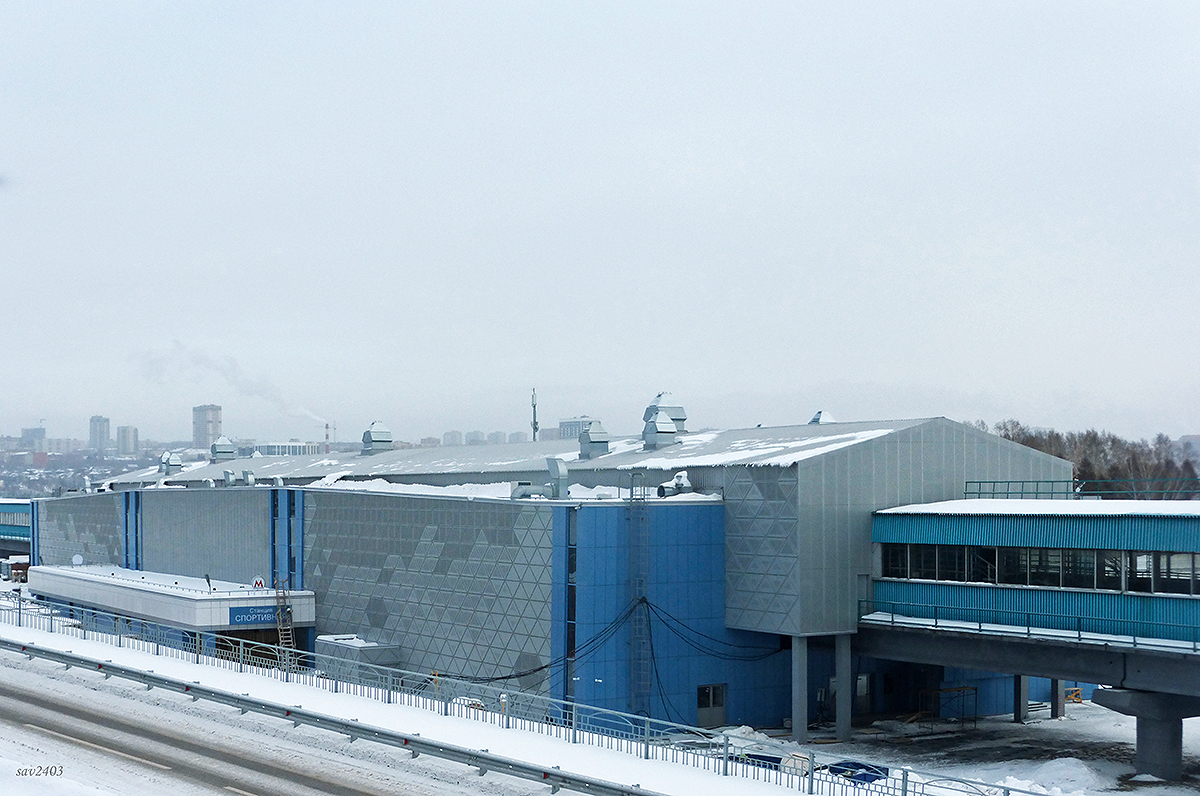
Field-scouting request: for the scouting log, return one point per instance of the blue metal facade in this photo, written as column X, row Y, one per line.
column 287, row 538
column 16, row 519
column 1087, row 532
column 1157, row 615
column 685, row 591
column 1115, row 613
column 131, row 525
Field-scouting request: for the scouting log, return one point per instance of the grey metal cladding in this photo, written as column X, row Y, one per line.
column 830, row 520
column 85, row 525
column 461, row 587
column 223, row 533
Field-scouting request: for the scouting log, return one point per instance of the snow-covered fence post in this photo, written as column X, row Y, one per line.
column 904, row 782
column 646, row 738
column 812, row 772
column 574, row 723
column 725, row 756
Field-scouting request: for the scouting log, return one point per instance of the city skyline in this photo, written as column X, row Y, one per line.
column 416, row 214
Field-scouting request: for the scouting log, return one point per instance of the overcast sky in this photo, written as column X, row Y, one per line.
column 416, row 212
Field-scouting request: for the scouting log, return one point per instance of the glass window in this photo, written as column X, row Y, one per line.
column 895, row 560
column 922, row 561
column 1079, row 569
column 981, row 564
column 1108, row 571
column 1012, row 565
column 952, row 562
column 1045, row 566
column 1140, row 571
column 1174, row 575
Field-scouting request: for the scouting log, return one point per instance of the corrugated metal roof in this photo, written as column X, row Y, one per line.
column 780, row 446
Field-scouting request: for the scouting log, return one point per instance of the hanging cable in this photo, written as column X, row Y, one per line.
column 753, row 654
column 582, row 652
column 662, row 692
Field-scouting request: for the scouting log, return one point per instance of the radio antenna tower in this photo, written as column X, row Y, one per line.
column 534, row 424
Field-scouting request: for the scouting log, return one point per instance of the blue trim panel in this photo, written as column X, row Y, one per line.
column 1116, row 613
column 1084, row 532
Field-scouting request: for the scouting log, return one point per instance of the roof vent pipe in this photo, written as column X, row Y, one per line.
column 248, row 477
column 229, row 476
column 678, row 485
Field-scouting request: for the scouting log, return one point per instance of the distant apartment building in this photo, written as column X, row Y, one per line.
column 62, row 445
column 98, row 434
column 34, row 439
column 452, row 438
column 430, row 442
column 291, row 448
column 497, row 438
column 475, row 438
column 571, row 428
column 206, row 425
column 518, row 436
column 127, row 441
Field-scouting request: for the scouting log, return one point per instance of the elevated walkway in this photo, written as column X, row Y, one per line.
column 1155, row 680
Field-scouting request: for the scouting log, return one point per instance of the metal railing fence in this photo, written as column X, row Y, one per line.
column 1126, row 488
column 727, row 754
column 1032, row 624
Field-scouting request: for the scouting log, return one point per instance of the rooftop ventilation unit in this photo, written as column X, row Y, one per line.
column 676, row 413
column 229, row 477
column 593, row 440
column 821, row 417
column 223, row 450
column 663, row 424
column 248, row 477
column 377, row 438
column 174, row 463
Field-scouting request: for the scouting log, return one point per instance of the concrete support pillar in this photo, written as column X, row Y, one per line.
column 1058, row 699
column 800, row 689
column 1159, row 726
column 1159, row 747
column 1020, row 698
column 845, row 686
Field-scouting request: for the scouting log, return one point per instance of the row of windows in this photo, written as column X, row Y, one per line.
column 1111, row 570
column 14, row 518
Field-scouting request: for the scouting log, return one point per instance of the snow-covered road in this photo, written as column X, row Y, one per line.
column 1062, row 759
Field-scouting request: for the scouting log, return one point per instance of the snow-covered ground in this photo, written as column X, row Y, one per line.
column 1089, row 751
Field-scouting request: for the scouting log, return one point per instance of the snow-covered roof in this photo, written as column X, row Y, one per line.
column 158, row 581
column 1026, row 507
column 779, row 446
